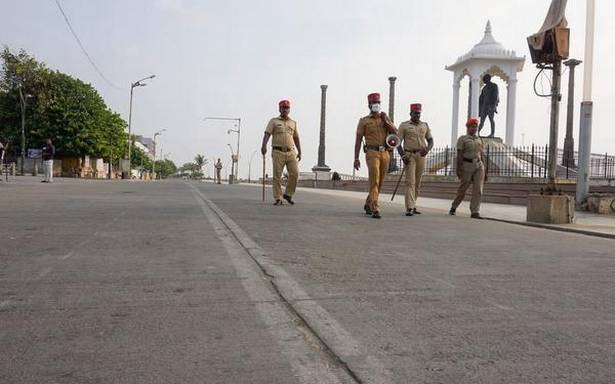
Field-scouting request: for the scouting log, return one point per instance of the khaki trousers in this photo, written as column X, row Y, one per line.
column 378, row 167
column 281, row 160
column 472, row 174
column 414, row 174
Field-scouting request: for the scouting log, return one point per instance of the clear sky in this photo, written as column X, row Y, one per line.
column 239, row 58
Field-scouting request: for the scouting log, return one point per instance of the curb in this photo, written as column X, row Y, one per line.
column 552, row 228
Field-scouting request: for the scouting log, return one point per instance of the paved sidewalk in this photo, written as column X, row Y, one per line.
column 587, row 223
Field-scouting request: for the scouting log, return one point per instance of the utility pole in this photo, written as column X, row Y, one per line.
column 587, row 106
column 554, row 126
column 568, row 158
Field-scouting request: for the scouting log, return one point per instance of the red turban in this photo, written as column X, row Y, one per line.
column 373, row 98
column 472, row 121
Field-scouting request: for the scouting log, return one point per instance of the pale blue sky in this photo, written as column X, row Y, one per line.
column 238, row 58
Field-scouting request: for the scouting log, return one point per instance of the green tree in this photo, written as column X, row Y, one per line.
column 138, row 159
column 67, row 110
column 165, row 168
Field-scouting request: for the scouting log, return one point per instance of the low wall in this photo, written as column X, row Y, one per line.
column 497, row 190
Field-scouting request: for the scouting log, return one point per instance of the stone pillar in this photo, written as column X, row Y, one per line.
column 392, row 98
column 475, row 94
column 321, row 167
column 568, row 158
column 455, row 120
column 393, row 161
column 511, row 105
column 469, row 98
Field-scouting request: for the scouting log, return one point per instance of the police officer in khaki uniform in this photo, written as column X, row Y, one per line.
column 375, row 128
column 286, row 152
column 470, row 168
column 417, row 142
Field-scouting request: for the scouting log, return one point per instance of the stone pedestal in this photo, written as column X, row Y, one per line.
column 604, row 205
column 550, row 209
column 501, row 157
column 493, row 141
column 322, row 174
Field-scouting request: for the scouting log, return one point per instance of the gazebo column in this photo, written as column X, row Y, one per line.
column 475, row 94
column 455, row 127
column 511, row 104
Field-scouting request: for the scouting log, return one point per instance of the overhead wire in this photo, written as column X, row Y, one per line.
column 85, row 52
column 538, row 75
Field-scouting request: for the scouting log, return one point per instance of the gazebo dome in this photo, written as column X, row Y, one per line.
column 487, row 57
column 487, row 48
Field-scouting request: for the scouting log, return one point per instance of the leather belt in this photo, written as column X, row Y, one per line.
column 282, row 149
column 471, row 160
column 415, row 151
column 379, row 148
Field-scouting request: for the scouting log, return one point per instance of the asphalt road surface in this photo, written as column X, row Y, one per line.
column 179, row 282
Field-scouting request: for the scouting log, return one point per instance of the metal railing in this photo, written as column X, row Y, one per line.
column 526, row 162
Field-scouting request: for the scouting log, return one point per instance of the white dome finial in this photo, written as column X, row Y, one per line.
column 488, row 27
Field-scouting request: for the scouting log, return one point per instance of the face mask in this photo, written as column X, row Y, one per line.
column 375, row 108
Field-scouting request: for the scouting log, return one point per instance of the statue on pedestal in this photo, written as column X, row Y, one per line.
column 488, row 104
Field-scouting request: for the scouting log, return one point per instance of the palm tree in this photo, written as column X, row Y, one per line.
column 199, row 162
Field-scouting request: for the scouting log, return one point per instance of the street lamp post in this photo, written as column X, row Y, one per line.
column 585, row 128
column 22, row 99
column 250, row 165
column 238, row 132
column 138, row 83
column 231, row 179
column 159, row 133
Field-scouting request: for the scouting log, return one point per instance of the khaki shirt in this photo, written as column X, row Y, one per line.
column 470, row 146
column 415, row 136
column 283, row 132
column 372, row 128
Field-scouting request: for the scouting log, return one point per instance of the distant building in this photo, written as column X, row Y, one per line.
column 146, row 144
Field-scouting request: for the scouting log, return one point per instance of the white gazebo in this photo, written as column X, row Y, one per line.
column 487, row 57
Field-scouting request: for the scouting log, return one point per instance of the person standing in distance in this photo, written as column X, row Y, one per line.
column 49, row 152
column 286, row 152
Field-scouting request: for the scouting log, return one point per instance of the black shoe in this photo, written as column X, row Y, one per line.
column 476, row 216
column 376, row 215
column 368, row 210
column 452, row 212
column 416, row 212
column 278, row 202
column 409, row 212
column 289, row 199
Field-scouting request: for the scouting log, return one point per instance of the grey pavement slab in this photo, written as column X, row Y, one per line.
column 125, row 282
column 442, row 299
column 584, row 222
column 145, row 283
